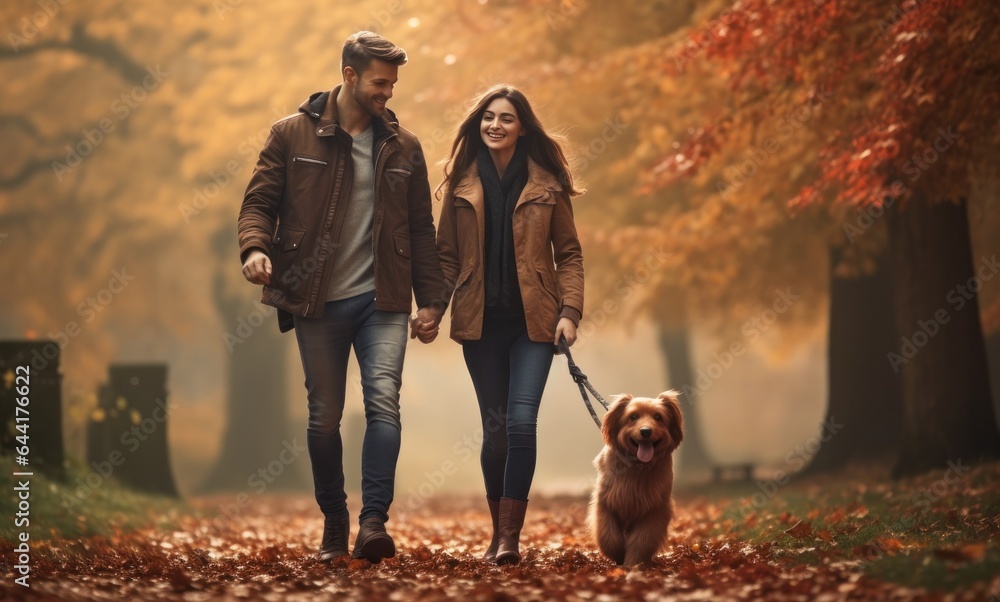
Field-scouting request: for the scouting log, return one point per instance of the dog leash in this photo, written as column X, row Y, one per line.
column 581, row 381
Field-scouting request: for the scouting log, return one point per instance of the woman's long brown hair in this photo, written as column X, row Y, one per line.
column 542, row 147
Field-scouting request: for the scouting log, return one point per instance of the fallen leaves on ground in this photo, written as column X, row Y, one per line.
column 266, row 552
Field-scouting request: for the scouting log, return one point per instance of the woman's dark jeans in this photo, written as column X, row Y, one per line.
column 508, row 372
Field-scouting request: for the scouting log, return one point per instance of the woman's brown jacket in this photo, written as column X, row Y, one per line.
column 546, row 248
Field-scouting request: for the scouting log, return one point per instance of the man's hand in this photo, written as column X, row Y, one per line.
column 565, row 328
column 257, row 268
column 424, row 325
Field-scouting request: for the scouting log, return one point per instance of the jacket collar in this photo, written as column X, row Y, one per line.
column 540, row 181
column 323, row 106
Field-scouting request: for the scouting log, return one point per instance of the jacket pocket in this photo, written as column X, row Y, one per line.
column 546, row 198
column 542, row 278
column 536, row 215
column 460, row 299
column 401, row 243
column 289, row 239
column 306, row 177
column 466, row 221
column 287, row 278
column 543, row 202
column 396, row 181
column 463, row 277
column 303, row 160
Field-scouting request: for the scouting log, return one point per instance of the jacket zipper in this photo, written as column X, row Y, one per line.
column 378, row 156
column 312, row 162
column 333, row 209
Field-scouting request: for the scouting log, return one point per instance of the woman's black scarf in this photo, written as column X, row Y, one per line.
column 500, row 197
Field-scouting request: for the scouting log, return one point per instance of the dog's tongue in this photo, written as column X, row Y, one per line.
column 645, row 452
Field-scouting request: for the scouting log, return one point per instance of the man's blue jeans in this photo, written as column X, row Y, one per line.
column 379, row 341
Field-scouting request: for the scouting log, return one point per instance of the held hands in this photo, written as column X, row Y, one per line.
column 257, row 268
column 565, row 328
column 424, row 324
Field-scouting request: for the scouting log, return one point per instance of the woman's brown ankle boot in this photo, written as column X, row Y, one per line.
column 511, row 520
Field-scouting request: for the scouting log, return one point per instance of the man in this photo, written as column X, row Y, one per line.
column 336, row 224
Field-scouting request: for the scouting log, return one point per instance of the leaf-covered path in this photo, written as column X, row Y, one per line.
column 266, row 553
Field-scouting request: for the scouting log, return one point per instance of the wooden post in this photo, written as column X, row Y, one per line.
column 137, row 423
column 44, row 425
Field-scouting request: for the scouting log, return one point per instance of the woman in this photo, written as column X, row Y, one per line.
column 511, row 257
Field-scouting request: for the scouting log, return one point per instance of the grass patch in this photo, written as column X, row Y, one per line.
column 105, row 509
column 938, row 531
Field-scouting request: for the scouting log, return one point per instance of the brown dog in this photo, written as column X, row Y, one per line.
column 630, row 508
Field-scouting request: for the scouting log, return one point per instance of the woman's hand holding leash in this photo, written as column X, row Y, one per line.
column 566, row 328
column 581, row 380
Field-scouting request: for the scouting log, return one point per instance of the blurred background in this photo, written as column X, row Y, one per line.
column 725, row 257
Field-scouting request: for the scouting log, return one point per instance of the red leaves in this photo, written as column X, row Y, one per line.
column 967, row 553
column 687, row 156
column 890, row 544
column 836, row 516
column 801, row 530
column 910, row 69
column 880, row 546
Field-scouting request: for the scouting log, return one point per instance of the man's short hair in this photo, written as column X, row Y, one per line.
column 360, row 48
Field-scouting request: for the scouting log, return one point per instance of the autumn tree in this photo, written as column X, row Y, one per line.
column 714, row 266
column 913, row 113
column 596, row 44
column 129, row 145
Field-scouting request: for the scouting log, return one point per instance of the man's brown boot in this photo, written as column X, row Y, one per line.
column 491, row 552
column 373, row 543
column 511, row 521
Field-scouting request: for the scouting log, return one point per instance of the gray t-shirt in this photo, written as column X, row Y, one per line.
column 354, row 258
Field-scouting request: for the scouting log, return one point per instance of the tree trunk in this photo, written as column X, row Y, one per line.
column 993, row 356
column 948, row 411
column 863, row 397
column 257, row 425
column 692, row 459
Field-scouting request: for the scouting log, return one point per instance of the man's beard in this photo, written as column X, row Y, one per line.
column 368, row 104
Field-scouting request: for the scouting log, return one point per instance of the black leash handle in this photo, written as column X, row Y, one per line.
column 581, row 381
